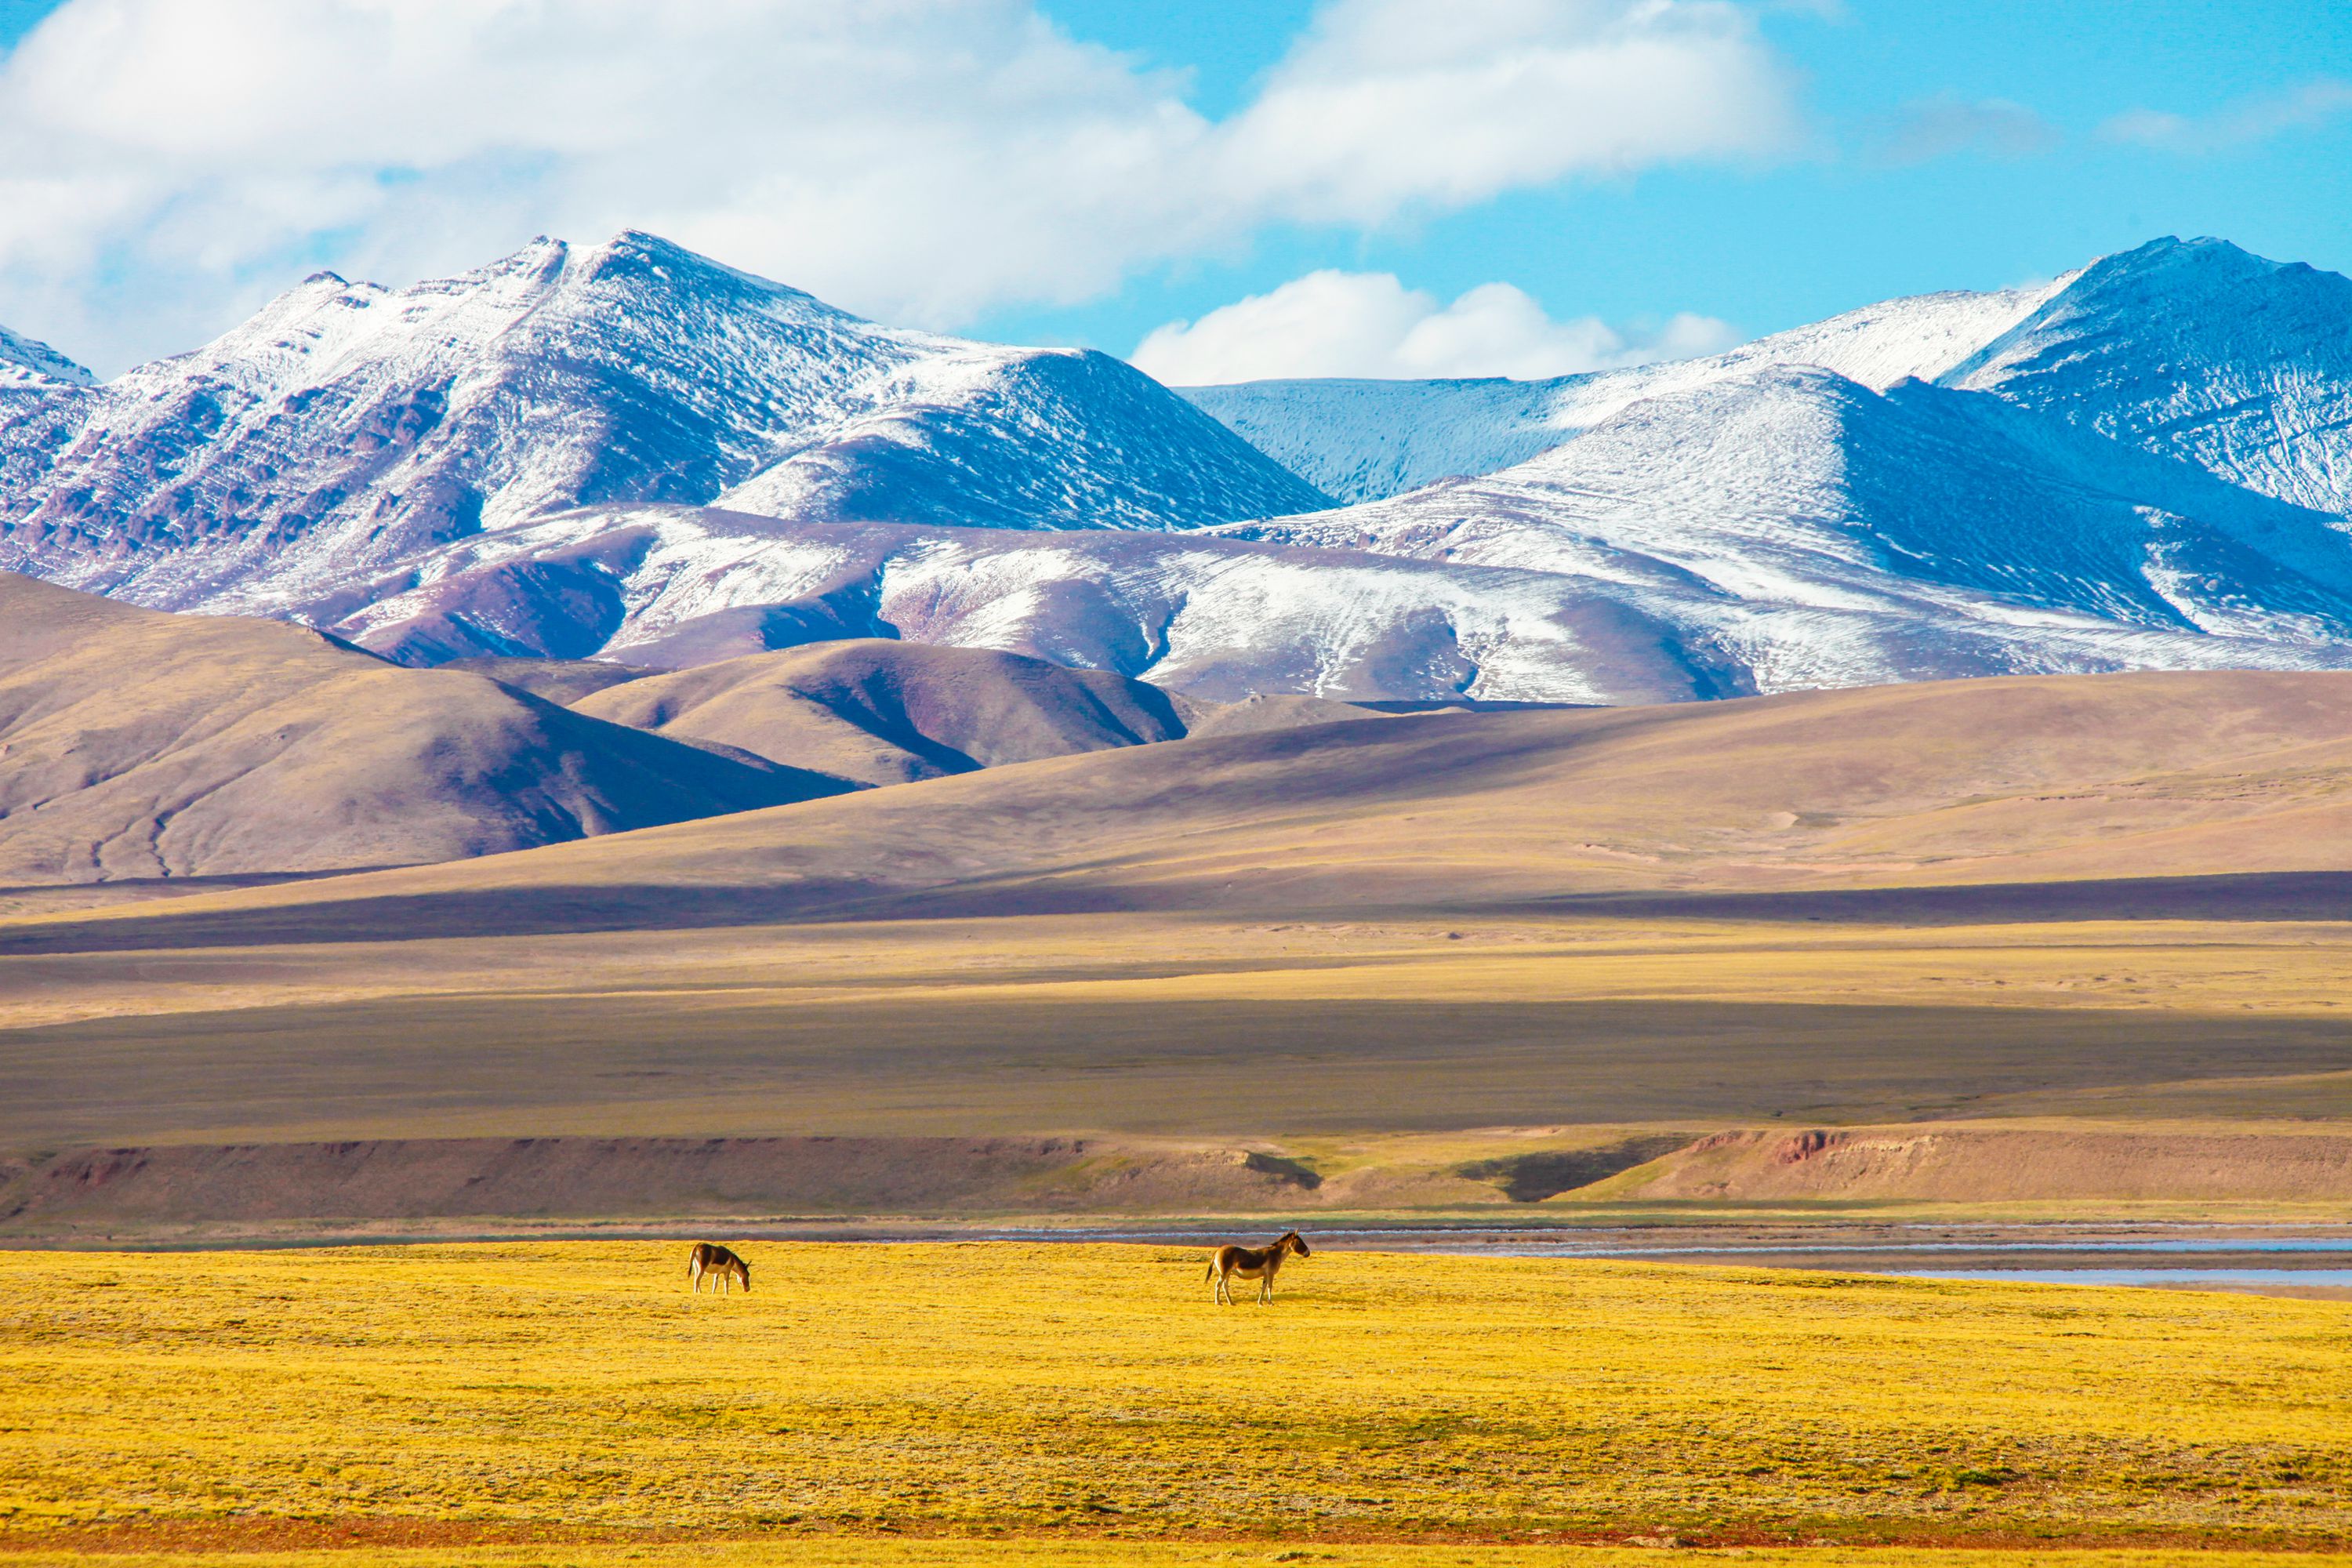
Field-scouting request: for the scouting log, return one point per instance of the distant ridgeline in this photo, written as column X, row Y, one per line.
column 632, row 452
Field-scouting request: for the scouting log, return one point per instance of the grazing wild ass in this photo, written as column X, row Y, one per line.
column 707, row 1260
column 1258, row 1263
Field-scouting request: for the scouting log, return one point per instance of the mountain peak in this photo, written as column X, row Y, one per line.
column 24, row 361
column 646, row 242
column 2197, row 350
column 2170, row 255
column 346, row 427
column 652, row 261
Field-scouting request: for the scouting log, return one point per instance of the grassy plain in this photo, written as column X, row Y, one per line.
column 1179, row 1023
column 2113, row 897
column 868, row 1553
column 469, row 1398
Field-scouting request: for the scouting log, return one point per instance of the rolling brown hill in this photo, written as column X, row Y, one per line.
column 880, row 712
column 2117, row 897
column 564, row 681
column 136, row 744
column 2086, row 779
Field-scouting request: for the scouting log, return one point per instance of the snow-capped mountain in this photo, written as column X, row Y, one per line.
column 1219, row 615
column 2190, row 349
column 346, row 428
column 2199, row 350
column 1219, row 619
column 24, row 364
column 635, row 453
column 1367, row 440
column 1796, row 487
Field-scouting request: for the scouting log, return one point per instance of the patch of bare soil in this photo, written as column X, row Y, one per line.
column 494, row 1177
column 178, row 1189
column 1948, row 1163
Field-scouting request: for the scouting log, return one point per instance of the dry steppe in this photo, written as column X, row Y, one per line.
column 2116, row 901
column 138, row 747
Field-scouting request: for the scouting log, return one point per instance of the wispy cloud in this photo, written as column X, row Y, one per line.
column 2249, row 120
column 1370, row 324
column 1947, row 124
column 163, row 164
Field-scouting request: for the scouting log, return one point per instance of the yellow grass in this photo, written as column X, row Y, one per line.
column 2294, row 967
column 969, row 1395
column 1176, row 1025
column 838, row 1553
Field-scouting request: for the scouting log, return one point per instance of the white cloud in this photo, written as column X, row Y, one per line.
column 1388, row 104
column 1940, row 127
column 2257, row 119
column 1368, row 324
column 166, row 164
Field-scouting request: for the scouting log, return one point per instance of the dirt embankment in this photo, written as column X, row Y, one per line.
column 1993, row 1164
column 431, row 1178
column 172, row 1185
column 166, row 1187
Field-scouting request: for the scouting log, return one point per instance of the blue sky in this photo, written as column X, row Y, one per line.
column 1849, row 222
column 1912, row 145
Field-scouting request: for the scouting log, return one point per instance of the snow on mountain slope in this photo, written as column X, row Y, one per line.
column 2196, row 349
column 1793, row 487
column 24, row 363
column 2137, row 466
column 2191, row 348
column 978, row 437
column 346, row 427
column 1219, row 617
column 1366, row 440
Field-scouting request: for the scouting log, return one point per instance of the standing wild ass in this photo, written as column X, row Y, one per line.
column 707, row 1260
column 1258, row 1263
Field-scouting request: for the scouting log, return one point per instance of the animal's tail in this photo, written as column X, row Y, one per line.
column 1211, row 1274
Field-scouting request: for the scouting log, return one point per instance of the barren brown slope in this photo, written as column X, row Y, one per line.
column 1973, row 1162
column 564, row 681
column 139, row 744
column 1438, row 922
column 885, row 712
column 1269, row 710
column 2032, row 780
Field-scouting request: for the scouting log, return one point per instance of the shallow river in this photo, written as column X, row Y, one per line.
column 2294, row 1259
column 2279, row 1260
